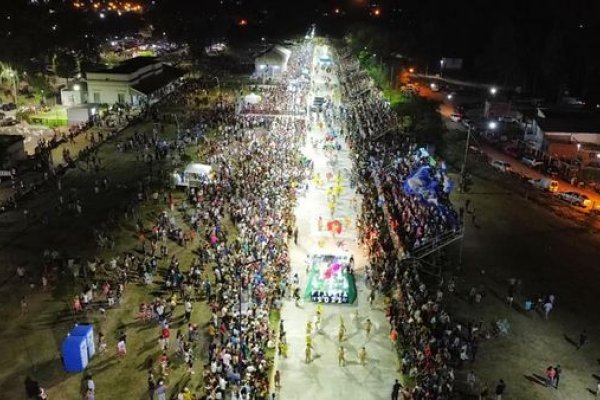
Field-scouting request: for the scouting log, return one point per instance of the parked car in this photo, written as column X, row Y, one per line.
column 552, row 171
column 531, row 162
column 9, row 121
column 455, row 117
column 501, row 166
column 576, row 199
column 9, row 106
column 546, row 184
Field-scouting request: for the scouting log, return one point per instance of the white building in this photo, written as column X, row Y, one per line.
column 137, row 81
column 273, row 62
column 74, row 95
column 80, row 114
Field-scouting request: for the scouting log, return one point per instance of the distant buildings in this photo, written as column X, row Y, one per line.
column 137, row 81
column 566, row 134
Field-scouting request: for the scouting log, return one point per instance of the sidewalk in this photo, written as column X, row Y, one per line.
column 323, row 378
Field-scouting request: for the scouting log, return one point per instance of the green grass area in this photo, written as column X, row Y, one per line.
column 31, row 344
column 54, row 118
column 395, row 97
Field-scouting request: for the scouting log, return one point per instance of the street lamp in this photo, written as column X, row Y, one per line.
column 493, row 90
column 492, row 125
column 449, row 97
column 441, row 66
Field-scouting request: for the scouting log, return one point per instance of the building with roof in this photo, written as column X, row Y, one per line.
column 566, row 133
column 137, row 81
column 272, row 62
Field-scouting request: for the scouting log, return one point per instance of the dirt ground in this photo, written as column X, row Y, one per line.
column 31, row 344
column 512, row 237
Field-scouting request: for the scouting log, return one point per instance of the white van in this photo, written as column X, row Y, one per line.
column 547, row 184
column 501, row 166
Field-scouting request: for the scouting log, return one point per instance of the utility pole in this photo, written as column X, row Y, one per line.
column 464, row 163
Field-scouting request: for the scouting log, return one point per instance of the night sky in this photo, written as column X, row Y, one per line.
column 545, row 47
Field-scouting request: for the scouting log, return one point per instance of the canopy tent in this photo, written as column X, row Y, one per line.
column 193, row 175
column 273, row 61
column 252, row 98
column 197, row 169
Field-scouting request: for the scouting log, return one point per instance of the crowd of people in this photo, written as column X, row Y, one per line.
column 256, row 164
column 243, row 272
column 284, row 95
column 431, row 344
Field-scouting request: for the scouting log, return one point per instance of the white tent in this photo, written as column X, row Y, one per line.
column 252, row 98
column 194, row 175
column 197, row 169
column 272, row 62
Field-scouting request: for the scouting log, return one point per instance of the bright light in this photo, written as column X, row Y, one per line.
column 102, row 16
column 93, row 111
column 411, row 70
column 492, row 125
column 337, row 10
column 243, row 22
column 76, row 87
column 578, row 146
column 493, row 90
column 262, row 66
column 449, row 97
column 377, row 12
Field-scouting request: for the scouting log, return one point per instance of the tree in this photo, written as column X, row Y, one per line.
column 65, row 65
column 9, row 75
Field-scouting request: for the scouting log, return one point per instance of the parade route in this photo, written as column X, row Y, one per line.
column 322, row 377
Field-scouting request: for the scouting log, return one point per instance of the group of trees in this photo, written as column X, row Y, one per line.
column 35, row 35
column 544, row 48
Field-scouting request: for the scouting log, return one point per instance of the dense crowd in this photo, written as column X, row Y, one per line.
column 285, row 95
column 431, row 344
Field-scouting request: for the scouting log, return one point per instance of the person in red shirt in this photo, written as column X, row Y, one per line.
column 166, row 334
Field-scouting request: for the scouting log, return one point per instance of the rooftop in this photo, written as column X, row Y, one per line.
column 275, row 55
column 155, row 82
column 569, row 121
column 128, row 66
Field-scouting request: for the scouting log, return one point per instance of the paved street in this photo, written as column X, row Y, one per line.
column 323, row 378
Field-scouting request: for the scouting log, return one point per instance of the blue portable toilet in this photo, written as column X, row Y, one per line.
column 74, row 353
column 86, row 331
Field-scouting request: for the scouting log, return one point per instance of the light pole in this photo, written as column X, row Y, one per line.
column 441, row 68
column 218, row 84
column 464, row 163
column 13, row 75
column 177, row 124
